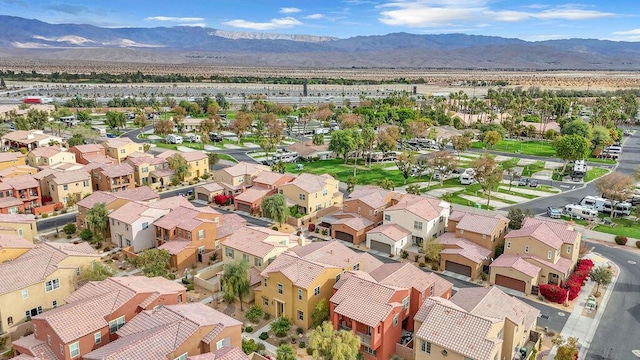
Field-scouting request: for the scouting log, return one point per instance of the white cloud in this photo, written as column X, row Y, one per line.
column 543, row 37
column 629, row 35
column 289, row 10
column 281, row 23
column 436, row 13
column 629, row 32
column 314, row 16
column 175, row 19
column 194, row 24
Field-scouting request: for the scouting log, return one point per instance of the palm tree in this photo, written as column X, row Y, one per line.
column 97, row 220
column 235, row 281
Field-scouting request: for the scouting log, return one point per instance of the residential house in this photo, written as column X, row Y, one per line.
column 47, row 156
column 239, row 176
column 369, row 203
column 112, row 201
column 394, row 293
column 231, row 223
column 308, row 150
column 258, row 246
column 121, row 148
column 12, row 159
column 227, row 353
column 424, row 216
column 18, row 170
column 297, row 279
column 130, row 224
column 265, row 184
column 88, row 152
column 206, row 192
column 28, row 139
column 40, row 279
column 22, row 225
column 69, row 186
column 198, row 162
column 312, row 192
column 10, row 205
column 172, row 332
column 25, row 188
column 113, row 178
column 187, row 233
column 350, row 227
column 541, row 252
column 12, row 246
column 94, row 314
column 388, row 238
column 146, row 169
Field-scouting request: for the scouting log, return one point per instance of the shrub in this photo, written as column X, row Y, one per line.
column 311, row 227
column 69, row 229
column 484, row 276
column 186, row 281
column 190, row 287
column 45, row 215
column 300, row 331
column 274, row 228
column 85, row 234
column 266, row 316
column 302, row 345
column 638, row 244
column 55, row 213
column 283, row 342
column 281, row 326
column 416, row 258
column 553, row 293
column 621, row 240
column 263, row 336
column 405, row 254
column 435, row 267
column 325, row 232
column 248, row 329
column 317, row 230
column 309, row 351
column 254, row 314
column 422, row 264
column 222, row 199
column 63, row 211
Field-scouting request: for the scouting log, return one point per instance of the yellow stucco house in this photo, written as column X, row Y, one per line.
column 69, row 186
column 12, row 246
column 295, row 281
column 49, row 156
column 40, row 279
column 11, row 159
column 18, row 224
column 312, row 192
column 234, row 178
column 198, row 162
column 121, row 148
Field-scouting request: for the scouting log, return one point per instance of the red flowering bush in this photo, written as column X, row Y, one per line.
column 553, row 293
column 576, row 280
column 222, row 199
column 311, row 227
column 585, row 264
column 621, row 240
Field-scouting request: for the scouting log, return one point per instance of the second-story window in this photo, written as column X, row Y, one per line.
column 280, row 289
column 417, row 225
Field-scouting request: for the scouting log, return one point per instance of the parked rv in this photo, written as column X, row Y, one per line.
column 174, row 139
column 285, row 156
column 467, row 179
column 579, row 170
column 580, row 212
column 603, row 205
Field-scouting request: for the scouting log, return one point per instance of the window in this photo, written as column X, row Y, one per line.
column 52, row 285
column 405, row 303
column 395, row 320
column 264, row 283
column 265, row 301
column 127, row 242
column 219, row 344
column 48, row 339
column 549, row 254
column 145, row 169
column 280, row 289
column 300, row 315
column 77, row 271
column 10, row 322
column 245, row 257
column 25, row 293
column 201, row 234
column 316, row 291
column 425, row 347
column 484, row 236
column 54, row 304
column 181, row 357
column 74, row 349
column 299, row 294
column 356, row 267
column 179, row 298
column 230, row 252
column 302, row 196
column 387, row 217
column 431, row 290
column 358, row 209
column 97, row 338
column 568, row 249
column 441, row 219
column 20, row 232
column 526, row 248
column 500, row 334
column 461, row 231
column 115, row 325
column 417, row 225
column 375, row 212
column 337, row 277
column 145, row 225
column 257, row 262
column 65, row 187
column 201, row 250
column 122, row 151
column 62, row 349
column 217, row 244
column 368, row 350
column 324, row 192
column 508, row 244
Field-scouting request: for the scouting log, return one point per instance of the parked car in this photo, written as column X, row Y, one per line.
column 553, row 212
column 523, row 181
column 215, row 137
column 533, row 183
column 111, row 136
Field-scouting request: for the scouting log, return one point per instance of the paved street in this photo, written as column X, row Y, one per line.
column 617, row 334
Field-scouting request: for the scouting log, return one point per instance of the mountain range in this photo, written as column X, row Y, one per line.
column 22, row 38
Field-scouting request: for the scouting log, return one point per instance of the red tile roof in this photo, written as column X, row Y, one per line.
column 10, row 241
column 16, row 218
column 21, row 182
column 365, row 301
column 184, row 217
column 245, row 168
column 562, row 230
column 409, row 276
column 463, row 247
column 516, row 262
column 373, row 197
column 427, row 208
column 230, row 224
column 88, row 148
column 175, row 246
column 271, row 178
column 258, row 241
column 394, row 232
column 311, row 183
column 253, row 194
column 118, row 170
column 481, row 224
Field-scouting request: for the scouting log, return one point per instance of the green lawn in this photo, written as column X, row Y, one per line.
column 594, row 173
column 196, row 146
column 227, row 157
column 531, row 169
column 527, row 147
column 624, row 227
column 601, row 161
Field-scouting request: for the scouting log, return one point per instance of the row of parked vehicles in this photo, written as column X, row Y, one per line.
column 589, row 208
column 178, row 139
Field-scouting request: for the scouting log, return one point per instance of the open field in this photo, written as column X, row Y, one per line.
column 526, row 147
column 623, row 227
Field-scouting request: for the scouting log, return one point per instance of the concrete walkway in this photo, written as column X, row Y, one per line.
column 528, row 191
column 475, row 199
column 254, row 335
column 583, row 327
column 508, row 197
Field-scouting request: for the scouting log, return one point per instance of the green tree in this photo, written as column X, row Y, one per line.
column 616, row 187
column 566, row 350
column 491, row 138
column 460, row 143
column 275, row 207
column 222, row 101
column 83, row 115
column 432, row 248
column 153, row 262
column 4, row 129
column 328, row 344
column 405, row 163
column 571, row 148
column 352, row 181
column 444, row 163
column 213, row 158
column 342, row 143
column 320, row 313
column 601, row 137
column 516, row 218
column 98, row 218
column 180, row 167
column 281, row 326
column 37, row 119
column 602, row 275
column 96, row 271
column 577, row 127
column 75, row 140
column 249, row 346
column 21, row 123
column 286, row 352
column 487, row 173
column 318, row 139
column 387, row 184
column 115, row 119
column 235, row 281
column 413, row 189
column 279, row 167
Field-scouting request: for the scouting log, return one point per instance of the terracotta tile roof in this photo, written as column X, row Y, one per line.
column 9, row 202
column 97, row 160
column 253, row 194
column 16, row 218
column 96, row 198
column 47, row 151
column 38, row 348
column 118, row 170
column 563, row 265
column 447, row 325
column 230, row 224
column 427, row 208
column 184, row 217
column 230, row 353
column 300, row 272
column 187, row 155
column 88, row 148
column 493, row 303
column 306, row 148
column 22, row 136
column 409, row 276
column 20, row 170
column 271, row 178
column 162, row 173
column 562, row 230
column 541, row 232
column 394, row 232
column 211, row 186
column 373, row 197
column 254, row 276
column 142, row 193
column 175, row 246
column 257, row 241
column 352, row 220
column 245, row 168
column 10, row 156
column 67, row 177
column 36, row 265
column 364, row 301
column 133, row 211
column 171, row 202
column 516, row 262
column 463, row 247
column 369, row 262
column 21, row 182
column 142, row 159
column 117, row 142
column 311, row 183
column 333, row 253
column 481, row 224
column 10, row 241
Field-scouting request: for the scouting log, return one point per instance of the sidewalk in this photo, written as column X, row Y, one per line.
column 583, row 327
column 254, row 335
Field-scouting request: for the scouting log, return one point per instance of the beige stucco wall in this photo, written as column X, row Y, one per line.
column 26, row 230
column 406, row 219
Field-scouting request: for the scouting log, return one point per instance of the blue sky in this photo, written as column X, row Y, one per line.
column 535, row 20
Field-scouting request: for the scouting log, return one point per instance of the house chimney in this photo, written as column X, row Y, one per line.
column 301, row 240
column 30, row 136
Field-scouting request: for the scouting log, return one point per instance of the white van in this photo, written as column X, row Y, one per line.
column 603, row 205
column 580, row 211
column 467, row 179
column 174, row 139
column 285, row 157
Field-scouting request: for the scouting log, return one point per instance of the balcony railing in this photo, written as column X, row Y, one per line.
column 366, row 339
